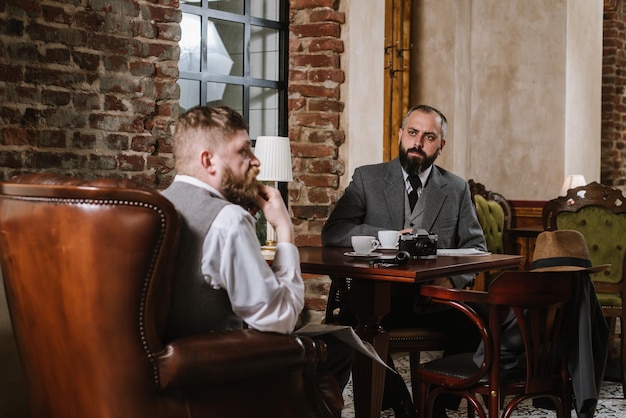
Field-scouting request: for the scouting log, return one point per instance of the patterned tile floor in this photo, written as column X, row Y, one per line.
column 611, row 404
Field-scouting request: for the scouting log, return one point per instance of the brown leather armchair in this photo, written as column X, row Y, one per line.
column 87, row 267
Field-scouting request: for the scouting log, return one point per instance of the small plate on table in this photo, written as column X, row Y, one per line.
column 361, row 255
column 395, row 247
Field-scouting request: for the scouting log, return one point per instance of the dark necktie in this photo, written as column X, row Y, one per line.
column 415, row 185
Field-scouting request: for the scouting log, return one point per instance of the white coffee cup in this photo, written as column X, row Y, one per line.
column 388, row 239
column 364, row 244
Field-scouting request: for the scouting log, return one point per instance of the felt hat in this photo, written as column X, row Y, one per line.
column 563, row 250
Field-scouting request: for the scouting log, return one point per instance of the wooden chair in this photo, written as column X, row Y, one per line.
column 401, row 340
column 540, row 303
column 494, row 214
column 599, row 213
column 87, row 268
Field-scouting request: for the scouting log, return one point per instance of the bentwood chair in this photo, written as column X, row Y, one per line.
column 87, row 268
column 540, row 303
column 599, row 213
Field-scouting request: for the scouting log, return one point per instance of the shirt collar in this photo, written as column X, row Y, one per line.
column 423, row 175
column 199, row 183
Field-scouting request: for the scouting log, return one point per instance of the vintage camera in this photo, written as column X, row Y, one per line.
column 420, row 244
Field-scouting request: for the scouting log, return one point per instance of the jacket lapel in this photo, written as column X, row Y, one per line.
column 395, row 192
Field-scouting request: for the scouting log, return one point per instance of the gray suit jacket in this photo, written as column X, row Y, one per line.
column 374, row 200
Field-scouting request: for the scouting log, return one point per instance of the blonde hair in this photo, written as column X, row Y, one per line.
column 202, row 128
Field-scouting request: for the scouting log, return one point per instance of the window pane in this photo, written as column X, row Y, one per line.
column 232, row 6
column 233, row 96
column 190, row 43
column 225, row 47
column 263, row 111
column 266, row 9
column 189, row 94
column 264, row 53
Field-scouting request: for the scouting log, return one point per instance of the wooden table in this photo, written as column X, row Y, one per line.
column 371, row 300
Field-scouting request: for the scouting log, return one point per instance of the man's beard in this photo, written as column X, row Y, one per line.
column 413, row 165
column 241, row 191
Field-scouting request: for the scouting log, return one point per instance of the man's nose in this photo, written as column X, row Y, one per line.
column 418, row 141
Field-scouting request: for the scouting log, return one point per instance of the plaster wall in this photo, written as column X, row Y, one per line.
column 583, row 98
column 520, row 83
column 519, row 71
column 363, row 92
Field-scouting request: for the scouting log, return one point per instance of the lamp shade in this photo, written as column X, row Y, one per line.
column 572, row 181
column 274, row 152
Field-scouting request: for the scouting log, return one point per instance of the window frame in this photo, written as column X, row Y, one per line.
column 246, row 81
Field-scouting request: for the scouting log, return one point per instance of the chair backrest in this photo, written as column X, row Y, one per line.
column 540, row 303
column 494, row 215
column 87, row 268
column 599, row 213
column 84, row 265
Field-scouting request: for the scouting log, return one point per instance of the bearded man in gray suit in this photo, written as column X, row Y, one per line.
column 379, row 198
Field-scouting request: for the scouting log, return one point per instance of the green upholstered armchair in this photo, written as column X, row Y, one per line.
column 599, row 213
column 494, row 215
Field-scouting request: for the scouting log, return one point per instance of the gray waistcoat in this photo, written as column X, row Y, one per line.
column 196, row 307
column 414, row 219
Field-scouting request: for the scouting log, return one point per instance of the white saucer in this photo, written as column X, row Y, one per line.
column 367, row 255
column 388, row 248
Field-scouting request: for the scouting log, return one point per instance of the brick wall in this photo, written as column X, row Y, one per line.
column 315, row 106
column 613, row 153
column 88, row 88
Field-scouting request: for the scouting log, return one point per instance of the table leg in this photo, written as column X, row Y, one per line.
column 370, row 303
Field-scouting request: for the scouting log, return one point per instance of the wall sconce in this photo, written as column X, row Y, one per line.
column 274, row 152
column 572, row 181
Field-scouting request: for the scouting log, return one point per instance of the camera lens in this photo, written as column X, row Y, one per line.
column 402, row 257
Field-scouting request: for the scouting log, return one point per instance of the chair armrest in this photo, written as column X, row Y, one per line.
column 459, row 295
column 228, row 356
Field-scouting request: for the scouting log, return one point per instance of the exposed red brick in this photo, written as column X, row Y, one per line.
column 321, row 119
column 320, row 180
column 311, row 4
column 323, row 75
column 17, row 136
column 317, row 29
column 317, row 60
column 328, row 16
column 326, row 44
column 325, row 105
column 309, row 90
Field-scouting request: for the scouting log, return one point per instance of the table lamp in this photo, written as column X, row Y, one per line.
column 274, row 152
column 572, row 181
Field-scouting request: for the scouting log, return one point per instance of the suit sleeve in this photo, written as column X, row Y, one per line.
column 470, row 234
column 348, row 216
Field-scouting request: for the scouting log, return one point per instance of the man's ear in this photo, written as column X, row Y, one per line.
column 207, row 160
column 443, row 143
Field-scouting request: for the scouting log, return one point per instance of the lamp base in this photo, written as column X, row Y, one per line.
column 269, row 250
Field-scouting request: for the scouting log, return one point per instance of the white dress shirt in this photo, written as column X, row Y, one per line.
column 267, row 299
